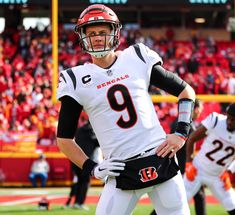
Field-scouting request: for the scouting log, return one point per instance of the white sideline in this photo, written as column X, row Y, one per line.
column 28, row 200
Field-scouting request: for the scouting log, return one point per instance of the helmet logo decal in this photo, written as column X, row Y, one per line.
column 95, row 18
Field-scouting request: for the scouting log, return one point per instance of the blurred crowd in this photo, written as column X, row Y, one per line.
column 26, row 73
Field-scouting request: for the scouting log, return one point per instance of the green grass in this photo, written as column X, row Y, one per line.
column 211, row 210
column 56, row 210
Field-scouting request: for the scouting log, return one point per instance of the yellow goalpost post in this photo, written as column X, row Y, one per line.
column 222, row 98
column 55, row 70
column 156, row 98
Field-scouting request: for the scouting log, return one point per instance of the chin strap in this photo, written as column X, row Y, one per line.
column 98, row 54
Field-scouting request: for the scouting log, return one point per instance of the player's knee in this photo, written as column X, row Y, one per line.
column 191, row 188
column 229, row 204
column 189, row 194
column 177, row 197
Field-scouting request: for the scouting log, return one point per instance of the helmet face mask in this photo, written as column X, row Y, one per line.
column 105, row 41
column 98, row 15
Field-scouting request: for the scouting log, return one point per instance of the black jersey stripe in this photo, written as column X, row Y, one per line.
column 72, row 76
column 138, row 52
column 216, row 120
column 62, row 76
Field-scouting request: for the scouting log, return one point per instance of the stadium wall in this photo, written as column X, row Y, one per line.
column 16, row 167
column 186, row 34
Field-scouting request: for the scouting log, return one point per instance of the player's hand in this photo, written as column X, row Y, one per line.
column 226, row 180
column 109, row 167
column 190, row 171
column 170, row 146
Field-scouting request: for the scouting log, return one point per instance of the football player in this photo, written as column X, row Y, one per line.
column 139, row 157
column 216, row 155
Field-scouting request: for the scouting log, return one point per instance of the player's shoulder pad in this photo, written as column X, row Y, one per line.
column 70, row 75
column 67, row 76
column 140, row 50
column 146, row 54
column 68, row 81
column 213, row 117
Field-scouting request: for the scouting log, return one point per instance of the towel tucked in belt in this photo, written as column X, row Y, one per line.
column 146, row 171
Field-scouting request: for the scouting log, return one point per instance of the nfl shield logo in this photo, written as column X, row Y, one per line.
column 109, row 72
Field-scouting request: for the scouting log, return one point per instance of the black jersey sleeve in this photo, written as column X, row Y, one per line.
column 166, row 80
column 68, row 117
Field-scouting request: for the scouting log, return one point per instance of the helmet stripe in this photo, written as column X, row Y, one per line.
column 93, row 9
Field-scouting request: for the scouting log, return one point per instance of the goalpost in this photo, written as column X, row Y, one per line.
column 222, row 98
column 55, row 70
column 156, row 98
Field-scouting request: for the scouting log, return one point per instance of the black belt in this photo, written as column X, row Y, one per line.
column 142, row 153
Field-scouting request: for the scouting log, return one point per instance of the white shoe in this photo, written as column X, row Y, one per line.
column 82, row 207
column 65, row 206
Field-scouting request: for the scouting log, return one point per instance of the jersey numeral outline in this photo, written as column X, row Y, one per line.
column 127, row 105
column 219, row 146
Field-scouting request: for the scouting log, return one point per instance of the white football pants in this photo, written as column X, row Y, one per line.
column 168, row 198
column 213, row 182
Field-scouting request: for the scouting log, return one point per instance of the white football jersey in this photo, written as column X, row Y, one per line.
column 218, row 149
column 117, row 102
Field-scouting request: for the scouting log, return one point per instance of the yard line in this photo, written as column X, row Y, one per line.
column 28, row 200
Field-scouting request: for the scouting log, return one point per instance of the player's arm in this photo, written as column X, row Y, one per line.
column 174, row 85
column 168, row 81
column 67, row 124
column 190, row 169
column 195, row 136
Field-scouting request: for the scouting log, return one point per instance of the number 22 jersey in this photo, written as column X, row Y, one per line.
column 117, row 102
column 218, row 148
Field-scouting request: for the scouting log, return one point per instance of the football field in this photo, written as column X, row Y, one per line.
column 24, row 201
